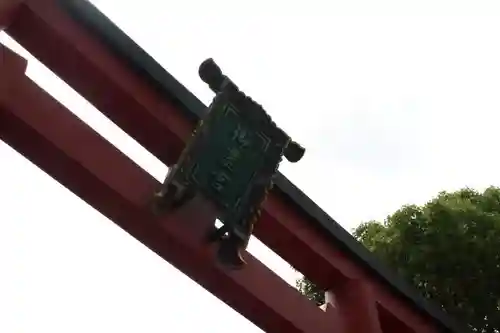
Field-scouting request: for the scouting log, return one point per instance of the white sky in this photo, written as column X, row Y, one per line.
column 394, row 101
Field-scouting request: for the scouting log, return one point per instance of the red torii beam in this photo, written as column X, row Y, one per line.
column 66, row 148
column 62, row 41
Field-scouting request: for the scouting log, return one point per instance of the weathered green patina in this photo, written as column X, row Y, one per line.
column 230, row 160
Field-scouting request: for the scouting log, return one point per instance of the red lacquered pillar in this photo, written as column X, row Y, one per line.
column 357, row 307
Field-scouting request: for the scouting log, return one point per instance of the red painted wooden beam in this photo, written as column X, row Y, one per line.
column 8, row 10
column 91, row 69
column 54, row 139
column 40, row 27
column 108, row 83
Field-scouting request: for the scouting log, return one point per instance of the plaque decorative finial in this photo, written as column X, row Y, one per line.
column 230, row 160
column 212, row 75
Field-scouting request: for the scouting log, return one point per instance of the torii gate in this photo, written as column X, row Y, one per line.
column 85, row 49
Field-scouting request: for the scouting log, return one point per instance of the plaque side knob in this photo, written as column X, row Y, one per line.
column 294, row 152
column 212, row 75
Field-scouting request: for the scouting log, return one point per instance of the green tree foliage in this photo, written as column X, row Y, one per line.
column 449, row 249
column 312, row 292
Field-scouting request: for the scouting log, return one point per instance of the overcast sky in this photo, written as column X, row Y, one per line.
column 393, row 100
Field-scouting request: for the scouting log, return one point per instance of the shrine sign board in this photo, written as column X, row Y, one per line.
column 231, row 160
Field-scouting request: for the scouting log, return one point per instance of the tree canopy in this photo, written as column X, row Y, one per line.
column 449, row 249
